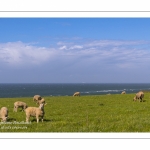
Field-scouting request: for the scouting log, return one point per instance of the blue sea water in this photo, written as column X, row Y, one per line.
column 65, row 89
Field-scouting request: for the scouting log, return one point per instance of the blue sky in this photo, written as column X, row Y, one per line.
column 74, row 50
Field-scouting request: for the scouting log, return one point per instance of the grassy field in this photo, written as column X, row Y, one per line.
column 97, row 113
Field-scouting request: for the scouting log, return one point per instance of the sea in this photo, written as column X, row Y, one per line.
column 67, row 89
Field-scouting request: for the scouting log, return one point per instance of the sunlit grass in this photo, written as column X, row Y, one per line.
column 98, row 113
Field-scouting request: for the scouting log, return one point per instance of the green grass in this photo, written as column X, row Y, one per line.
column 98, row 113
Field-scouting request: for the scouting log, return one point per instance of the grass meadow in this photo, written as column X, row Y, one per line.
column 94, row 113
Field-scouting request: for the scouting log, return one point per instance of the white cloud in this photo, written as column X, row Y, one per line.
column 18, row 53
column 103, row 43
column 95, row 61
column 122, row 54
column 76, row 47
column 63, row 47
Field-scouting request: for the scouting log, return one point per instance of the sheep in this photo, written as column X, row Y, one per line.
column 139, row 96
column 36, row 98
column 124, row 92
column 76, row 94
column 4, row 114
column 41, row 101
column 35, row 112
column 108, row 94
column 20, row 104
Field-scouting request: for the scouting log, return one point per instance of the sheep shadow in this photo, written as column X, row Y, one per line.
column 48, row 120
column 101, row 104
column 11, row 119
column 44, row 120
column 141, row 101
column 20, row 110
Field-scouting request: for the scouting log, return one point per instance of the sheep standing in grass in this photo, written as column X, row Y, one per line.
column 76, row 94
column 139, row 96
column 4, row 114
column 19, row 104
column 35, row 112
column 36, row 98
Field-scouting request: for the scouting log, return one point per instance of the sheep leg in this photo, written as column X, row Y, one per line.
column 27, row 118
column 37, row 118
column 42, row 119
column 22, row 108
column 16, row 109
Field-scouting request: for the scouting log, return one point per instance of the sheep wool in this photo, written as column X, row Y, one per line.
column 42, row 101
column 35, row 112
column 20, row 104
column 4, row 114
column 76, row 94
column 139, row 96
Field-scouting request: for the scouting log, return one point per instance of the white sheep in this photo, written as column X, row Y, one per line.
column 76, row 94
column 139, row 96
column 19, row 104
column 123, row 92
column 4, row 114
column 35, row 112
column 41, row 101
column 36, row 98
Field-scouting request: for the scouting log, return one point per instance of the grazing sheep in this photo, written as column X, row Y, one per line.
column 4, row 114
column 108, row 94
column 36, row 98
column 35, row 112
column 42, row 101
column 124, row 92
column 76, row 94
column 139, row 96
column 20, row 104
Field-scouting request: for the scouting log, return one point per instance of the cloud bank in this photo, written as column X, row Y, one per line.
column 122, row 54
column 92, row 61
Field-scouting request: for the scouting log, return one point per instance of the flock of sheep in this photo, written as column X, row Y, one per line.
column 29, row 111
column 138, row 96
column 39, row 111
